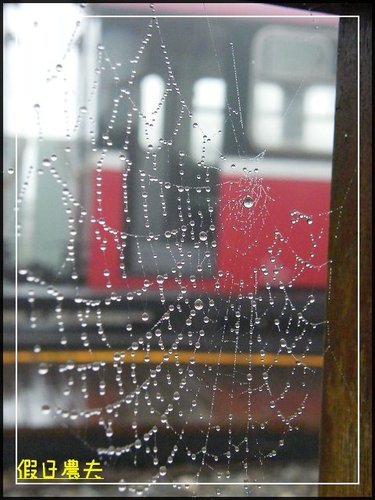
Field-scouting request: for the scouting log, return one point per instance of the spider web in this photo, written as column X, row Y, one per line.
column 210, row 355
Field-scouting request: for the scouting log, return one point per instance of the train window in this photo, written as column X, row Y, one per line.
column 318, row 121
column 46, row 77
column 152, row 88
column 268, row 106
column 208, row 116
column 293, row 90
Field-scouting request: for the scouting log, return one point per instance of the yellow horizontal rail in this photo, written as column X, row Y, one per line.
column 184, row 357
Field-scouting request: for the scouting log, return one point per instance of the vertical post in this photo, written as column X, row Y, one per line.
column 339, row 460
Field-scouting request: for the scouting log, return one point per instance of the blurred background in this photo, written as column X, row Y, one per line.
column 168, row 180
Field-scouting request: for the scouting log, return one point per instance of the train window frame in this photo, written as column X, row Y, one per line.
column 300, row 145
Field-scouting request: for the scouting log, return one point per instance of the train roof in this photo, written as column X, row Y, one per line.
column 242, row 10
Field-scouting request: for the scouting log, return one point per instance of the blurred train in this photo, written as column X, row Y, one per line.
column 256, row 93
column 255, row 87
column 262, row 87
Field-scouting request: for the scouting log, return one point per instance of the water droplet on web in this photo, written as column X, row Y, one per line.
column 46, row 409
column 73, row 415
column 166, row 390
column 138, row 444
column 59, row 67
column 198, row 304
column 163, row 470
column 43, row 369
column 135, row 346
column 248, row 202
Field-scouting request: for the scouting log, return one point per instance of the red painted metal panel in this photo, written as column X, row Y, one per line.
column 247, row 238
column 112, row 214
column 246, row 235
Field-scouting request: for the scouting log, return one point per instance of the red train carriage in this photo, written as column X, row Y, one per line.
column 269, row 156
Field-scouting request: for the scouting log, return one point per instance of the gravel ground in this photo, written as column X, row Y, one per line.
column 279, row 472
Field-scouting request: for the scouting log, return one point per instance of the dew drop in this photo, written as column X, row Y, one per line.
column 43, row 369
column 248, row 202
column 138, row 444
column 203, row 236
column 198, row 305
column 46, row 409
column 163, row 470
column 145, row 317
column 73, row 415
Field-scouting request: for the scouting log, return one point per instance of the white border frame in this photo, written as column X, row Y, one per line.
column 123, row 484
